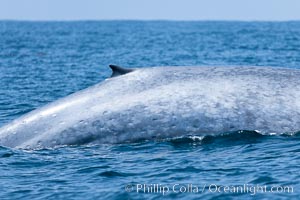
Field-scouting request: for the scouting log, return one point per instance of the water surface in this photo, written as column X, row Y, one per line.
column 43, row 61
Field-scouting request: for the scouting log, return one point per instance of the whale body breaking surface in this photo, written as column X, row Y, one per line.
column 164, row 102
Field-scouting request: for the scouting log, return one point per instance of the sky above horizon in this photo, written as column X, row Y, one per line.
column 266, row 10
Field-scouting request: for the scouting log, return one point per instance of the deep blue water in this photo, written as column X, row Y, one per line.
column 43, row 61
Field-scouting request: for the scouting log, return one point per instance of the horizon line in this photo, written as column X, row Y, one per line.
column 166, row 20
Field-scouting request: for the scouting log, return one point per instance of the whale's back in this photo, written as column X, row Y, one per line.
column 165, row 102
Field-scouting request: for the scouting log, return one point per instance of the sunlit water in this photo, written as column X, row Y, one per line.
column 43, row 61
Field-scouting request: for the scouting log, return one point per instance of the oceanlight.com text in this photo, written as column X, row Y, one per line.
column 165, row 189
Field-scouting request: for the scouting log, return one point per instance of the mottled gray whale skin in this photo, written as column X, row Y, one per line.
column 164, row 102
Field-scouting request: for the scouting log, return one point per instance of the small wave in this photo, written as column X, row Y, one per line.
column 114, row 174
column 243, row 136
column 6, row 152
column 240, row 137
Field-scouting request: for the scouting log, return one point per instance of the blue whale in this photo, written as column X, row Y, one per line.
column 164, row 102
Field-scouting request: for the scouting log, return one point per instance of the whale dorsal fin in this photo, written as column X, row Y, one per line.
column 117, row 71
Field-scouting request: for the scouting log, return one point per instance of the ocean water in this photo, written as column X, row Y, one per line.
column 43, row 61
